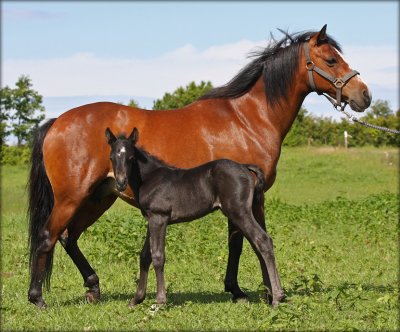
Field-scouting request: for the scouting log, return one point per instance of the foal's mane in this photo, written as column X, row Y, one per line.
column 278, row 62
column 145, row 156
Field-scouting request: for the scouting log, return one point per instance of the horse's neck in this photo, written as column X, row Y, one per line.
column 263, row 116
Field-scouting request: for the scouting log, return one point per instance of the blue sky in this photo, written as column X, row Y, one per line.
column 116, row 50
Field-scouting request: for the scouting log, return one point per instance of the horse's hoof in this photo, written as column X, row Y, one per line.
column 92, row 297
column 37, row 300
column 240, row 298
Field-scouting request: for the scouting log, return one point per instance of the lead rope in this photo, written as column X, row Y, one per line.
column 341, row 108
column 366, row 124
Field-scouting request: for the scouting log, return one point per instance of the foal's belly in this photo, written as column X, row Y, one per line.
column 179, row 214
column 179, row 202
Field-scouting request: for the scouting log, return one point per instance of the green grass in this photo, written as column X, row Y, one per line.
column 333, row 215
column 311, row 175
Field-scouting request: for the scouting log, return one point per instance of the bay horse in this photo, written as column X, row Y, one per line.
column 168, row 195
column 246, row 120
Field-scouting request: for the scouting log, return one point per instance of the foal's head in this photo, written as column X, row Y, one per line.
column 122, row 156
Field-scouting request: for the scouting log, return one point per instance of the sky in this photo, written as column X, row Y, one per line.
column 78, row 52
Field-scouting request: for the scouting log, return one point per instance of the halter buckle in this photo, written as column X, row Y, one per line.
column 310, row 65
column 339, row 83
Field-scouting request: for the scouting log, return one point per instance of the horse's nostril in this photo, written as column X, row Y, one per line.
column 367, row 96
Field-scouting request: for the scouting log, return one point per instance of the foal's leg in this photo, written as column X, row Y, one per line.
column 158, row 227
column 259, row 215
column 235, row 244
column 145, row 261
column 262, row 243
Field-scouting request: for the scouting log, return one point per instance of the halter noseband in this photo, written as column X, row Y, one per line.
column 338, row 82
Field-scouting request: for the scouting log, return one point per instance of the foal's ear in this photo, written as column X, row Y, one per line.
column 321, row 36
column 110, row 136
column 134, row 136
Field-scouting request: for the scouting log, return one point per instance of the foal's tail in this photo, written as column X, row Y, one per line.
column 41, row 199
column 260, row 185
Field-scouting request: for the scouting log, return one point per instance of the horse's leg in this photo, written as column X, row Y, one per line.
column 59, row 218
column 87, row 214
column 158, row 227
column 262, row 243
column 145, row 261
column 235, row 245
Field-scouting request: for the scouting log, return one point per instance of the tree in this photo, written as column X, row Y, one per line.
column 5, row 96
column 382, row 115
column 23, row 107
column 182, row 96
column 301, row 129
column 133, row 103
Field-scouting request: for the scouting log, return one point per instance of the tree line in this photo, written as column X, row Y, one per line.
column 314, row 130
column 22, row 111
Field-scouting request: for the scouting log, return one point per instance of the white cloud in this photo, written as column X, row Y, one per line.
column 88, row 74
column 377, row 65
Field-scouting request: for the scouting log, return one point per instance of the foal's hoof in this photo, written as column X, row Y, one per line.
column 41, row 304
column 92, row 297
column 134, row 302
column 278, row 299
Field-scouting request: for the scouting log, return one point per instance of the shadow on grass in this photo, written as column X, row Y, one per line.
column 172, row 298
column 202, row 297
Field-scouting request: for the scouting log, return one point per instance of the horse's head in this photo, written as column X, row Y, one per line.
column 330, row 74
column 122, row 156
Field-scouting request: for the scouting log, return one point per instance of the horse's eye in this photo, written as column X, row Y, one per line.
column 331, row 61
column 130, row 157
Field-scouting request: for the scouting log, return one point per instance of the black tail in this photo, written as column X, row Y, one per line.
column 260, row 185
column 41, row 199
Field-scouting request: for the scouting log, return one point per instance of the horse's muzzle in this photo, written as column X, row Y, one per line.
column 361, row 103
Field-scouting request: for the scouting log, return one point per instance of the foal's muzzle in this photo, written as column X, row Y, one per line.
column 121, row 184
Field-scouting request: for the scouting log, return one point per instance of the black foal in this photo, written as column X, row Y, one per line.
column 168, row 195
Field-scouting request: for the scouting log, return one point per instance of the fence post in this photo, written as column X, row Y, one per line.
column 346, row 136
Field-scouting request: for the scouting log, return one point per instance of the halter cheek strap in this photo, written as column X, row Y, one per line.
column 338, row 82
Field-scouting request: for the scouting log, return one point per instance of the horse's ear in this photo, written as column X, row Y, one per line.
column 134, row 136
column 321, row 36
column 110, row 136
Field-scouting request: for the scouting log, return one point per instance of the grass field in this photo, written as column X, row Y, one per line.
column 333, row 215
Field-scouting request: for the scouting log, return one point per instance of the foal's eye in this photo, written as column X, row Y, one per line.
column 331, row 61
column 130, row 158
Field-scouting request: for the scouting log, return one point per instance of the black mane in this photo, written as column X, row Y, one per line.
column 278, row 62
column 146, row 157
